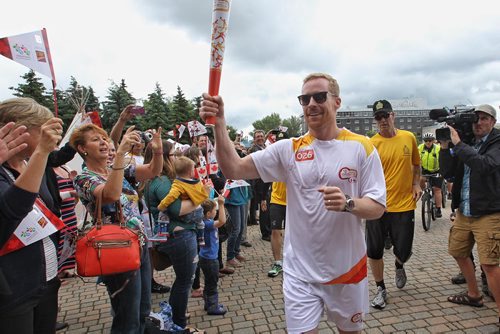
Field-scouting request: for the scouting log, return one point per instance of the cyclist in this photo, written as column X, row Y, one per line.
column 429, row 155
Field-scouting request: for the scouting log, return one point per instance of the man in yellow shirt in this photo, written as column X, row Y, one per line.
column 401, row 163
column 429, row 155
column 277, row 213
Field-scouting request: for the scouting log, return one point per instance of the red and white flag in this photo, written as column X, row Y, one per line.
column 231, row 184
column 195, row 128
column 171, row 133
column 181, row 129
column 38, row 224
column 31, row 50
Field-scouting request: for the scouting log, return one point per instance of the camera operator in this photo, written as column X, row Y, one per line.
column 476, row 195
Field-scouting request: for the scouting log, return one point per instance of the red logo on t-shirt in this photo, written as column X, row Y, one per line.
column 348, row 174
column 358, row 317
column 304, row 155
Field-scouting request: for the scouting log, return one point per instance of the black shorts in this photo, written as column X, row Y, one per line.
column 400, row 226
column 435, row 181
column 277, row 213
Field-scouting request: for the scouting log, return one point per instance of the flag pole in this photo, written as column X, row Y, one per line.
column 54, row 94
column 49, row 56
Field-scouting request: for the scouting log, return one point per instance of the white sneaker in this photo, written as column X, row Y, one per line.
column 380, row 298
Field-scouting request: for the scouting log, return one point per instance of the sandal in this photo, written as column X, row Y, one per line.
column 464, row 299
column 197, row 293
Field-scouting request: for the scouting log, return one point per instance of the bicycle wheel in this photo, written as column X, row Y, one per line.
column 426, row 213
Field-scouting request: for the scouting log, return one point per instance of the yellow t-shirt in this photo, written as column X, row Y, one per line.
column 399, row 155
column 278, row 193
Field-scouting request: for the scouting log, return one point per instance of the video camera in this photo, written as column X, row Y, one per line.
column 460, row 120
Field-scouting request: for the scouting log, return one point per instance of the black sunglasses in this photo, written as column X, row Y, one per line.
column 380, row 116
column 318, row 97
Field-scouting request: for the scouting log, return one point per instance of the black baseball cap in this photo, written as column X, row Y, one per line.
column 381, row 106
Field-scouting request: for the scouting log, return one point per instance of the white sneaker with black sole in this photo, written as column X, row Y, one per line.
column 380, row 298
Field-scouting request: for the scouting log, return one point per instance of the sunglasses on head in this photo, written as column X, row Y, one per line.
column 380, row 116
column 318, row 97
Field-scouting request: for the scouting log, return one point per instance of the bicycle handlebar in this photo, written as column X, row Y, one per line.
column 431, row 175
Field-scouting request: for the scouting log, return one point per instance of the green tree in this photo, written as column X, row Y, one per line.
column 371, row 133
column 267, row 123
column 117, row 99
column 232, row 132
column 294, row 125
column 34, row 88
column 93, row 101
column 156, row 111
column 180, row 112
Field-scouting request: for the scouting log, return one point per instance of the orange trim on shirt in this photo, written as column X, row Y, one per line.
column 357, row 273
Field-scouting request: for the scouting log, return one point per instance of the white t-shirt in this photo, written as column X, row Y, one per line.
column 323, row 246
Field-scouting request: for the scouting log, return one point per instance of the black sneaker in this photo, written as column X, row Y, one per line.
column 438, row 213
column 387, row 242
column 159, row 288
column 458, row 279
column 246, row 244
column 61, row 325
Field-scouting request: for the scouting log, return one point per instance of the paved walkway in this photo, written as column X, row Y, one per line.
column 255, row 302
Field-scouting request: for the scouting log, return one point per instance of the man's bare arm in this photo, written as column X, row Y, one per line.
column 232, row 166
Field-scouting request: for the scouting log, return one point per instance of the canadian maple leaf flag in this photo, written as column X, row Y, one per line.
column 31, row 50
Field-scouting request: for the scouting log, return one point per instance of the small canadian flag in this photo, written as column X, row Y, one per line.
column 202, row 172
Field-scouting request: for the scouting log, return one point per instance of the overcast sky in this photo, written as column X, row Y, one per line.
column 447, row 52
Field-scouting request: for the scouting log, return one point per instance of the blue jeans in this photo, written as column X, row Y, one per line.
column 211, row 273
column 132, row 305
column 182, row 249
column 237, row 213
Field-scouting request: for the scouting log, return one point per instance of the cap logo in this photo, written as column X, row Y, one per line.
column 379, row 105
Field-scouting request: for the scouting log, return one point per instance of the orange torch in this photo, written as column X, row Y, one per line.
column 220, row 23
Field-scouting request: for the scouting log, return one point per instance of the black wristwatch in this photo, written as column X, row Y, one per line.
column 349, row 204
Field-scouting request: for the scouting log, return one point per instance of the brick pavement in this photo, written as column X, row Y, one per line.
column 255, row 302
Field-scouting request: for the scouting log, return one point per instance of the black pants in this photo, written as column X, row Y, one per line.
column 254, row 205
column 35, row 316
column 265, row 219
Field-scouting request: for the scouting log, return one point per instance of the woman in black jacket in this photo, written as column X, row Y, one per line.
column 28, row 300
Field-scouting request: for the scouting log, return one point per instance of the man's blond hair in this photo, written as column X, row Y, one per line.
column 333, row 86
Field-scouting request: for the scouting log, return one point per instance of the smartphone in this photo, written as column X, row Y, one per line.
column 137, row 110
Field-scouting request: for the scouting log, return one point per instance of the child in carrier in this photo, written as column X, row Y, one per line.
column 186, row 186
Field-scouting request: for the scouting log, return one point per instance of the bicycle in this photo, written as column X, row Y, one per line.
column 444, row 191
column 428, row 203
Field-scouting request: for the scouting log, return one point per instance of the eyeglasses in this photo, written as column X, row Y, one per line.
column 380, row 116
column 428, row 140
column 318, row 97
